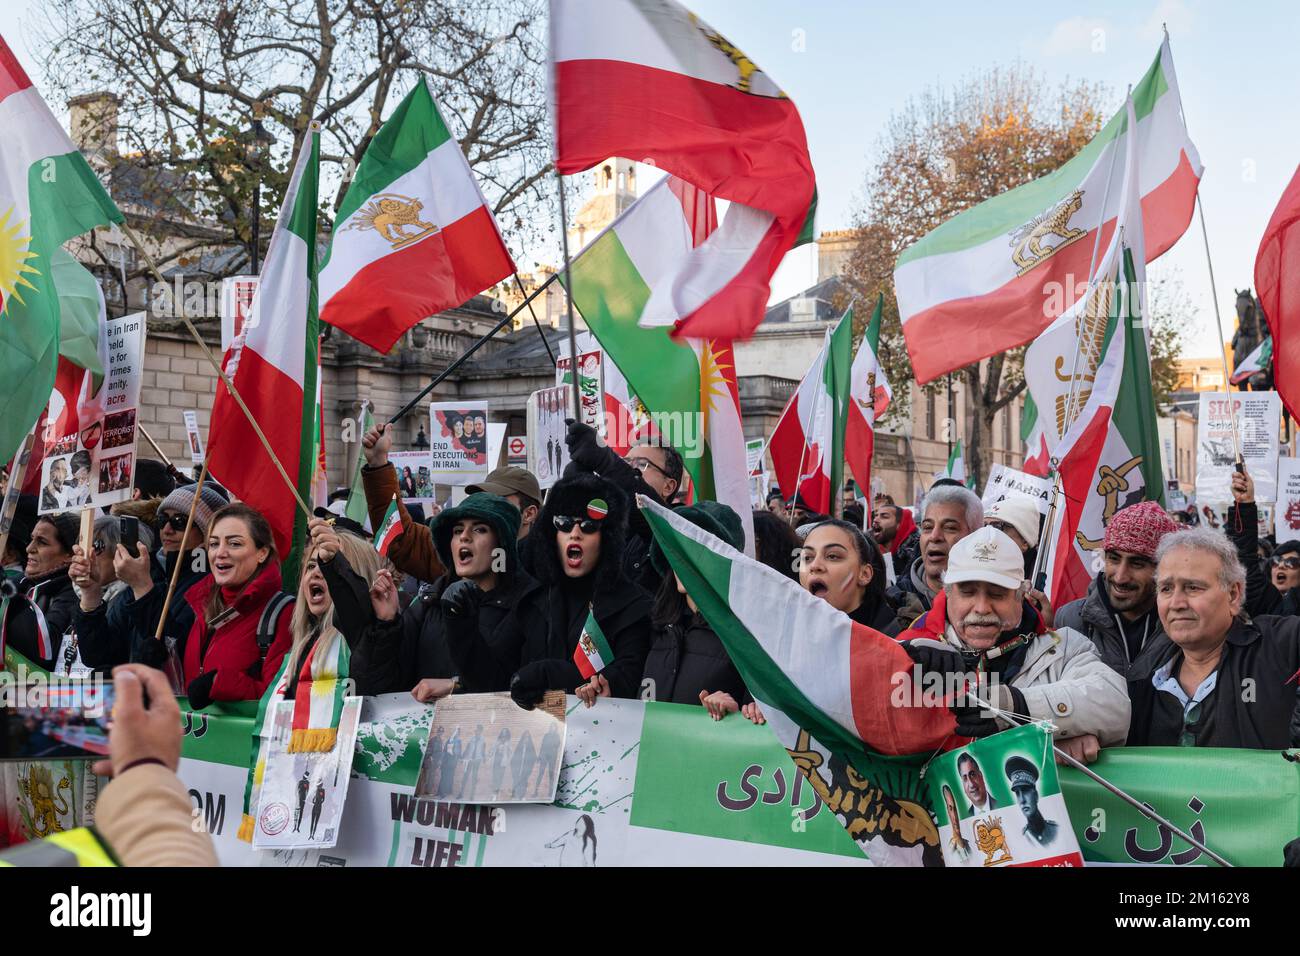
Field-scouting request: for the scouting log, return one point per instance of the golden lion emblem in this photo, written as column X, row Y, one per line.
column 745, row 67
column 1027, row 241
column 391, row 215
column 991, row 841
column 47, row 801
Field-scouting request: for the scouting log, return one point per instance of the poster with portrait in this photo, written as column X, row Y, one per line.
column 458, row 442
column 303, row 793
column 414, row 474
column 548, row 455
column 1287, row 517
column 483, row 748
column 192, row 435
column 591, row 384
column 998, row 803
column 89, row 450
column 236, row 303
column 1259, row 417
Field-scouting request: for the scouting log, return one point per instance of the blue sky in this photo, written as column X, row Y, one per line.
column 849, row 65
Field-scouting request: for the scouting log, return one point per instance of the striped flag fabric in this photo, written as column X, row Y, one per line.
column 869, row 398
column 390, row 529
column 272, row 363
column 356, row 507
column 1110, row 450
column 260, row 748
column 48, row 195
column 320, row 485
column 649, row 78
column 1023, row 256
column 1277, row 283
column 955, row 469
column 414, row 235
column 683, row 381
column 593, row 652
column 1260, row 360
column 807, row 445
column 318, row 698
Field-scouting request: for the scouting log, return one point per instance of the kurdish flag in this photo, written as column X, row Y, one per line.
column 414, row 235
column 648, row 78
column 689, row 385
column 807, row 446
column 593, row 653
column 1260, row 360
column 272, row 363
column 869, row 398
column 48, row 195
column 1023, row 256
column 356, row 506
column 1110, row 450
column 390, row 529
column 318, row 697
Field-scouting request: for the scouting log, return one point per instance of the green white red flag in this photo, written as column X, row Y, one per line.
column 593, row 652
column 869, row 398
column 688, row 385
column 807, row 445
column 1023, row 256
column 414, row 235
column 390, row 529
column 649, row 79
column 1109, row 451
column 1260, row 360
column 320, row 485
column 272, row 363
column 48, row 195
column 356, row 506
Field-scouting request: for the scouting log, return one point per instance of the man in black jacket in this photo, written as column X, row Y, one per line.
column 1118, row 614
column 1226, row 680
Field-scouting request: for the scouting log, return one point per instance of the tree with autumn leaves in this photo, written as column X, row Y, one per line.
column 946, row 152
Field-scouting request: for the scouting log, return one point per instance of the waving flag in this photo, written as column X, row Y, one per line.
column 995, row 276
column 869, row 398
column 414, row 235
column 649, row 79
column 1277, row 282
column 807, row 446
column 48, row 195
column 272, row 363
column 1260, row 360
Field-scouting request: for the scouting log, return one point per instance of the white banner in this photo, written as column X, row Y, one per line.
column 458, row 442
column 1259, row 417
column 1004, row 482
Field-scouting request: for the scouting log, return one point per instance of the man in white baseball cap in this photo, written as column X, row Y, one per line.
column 982, row 625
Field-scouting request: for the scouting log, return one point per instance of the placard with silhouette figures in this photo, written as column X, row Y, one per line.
column 548, row 455
column 998, row 802
column 303, row 794
column 484, row 748
column 458, row 442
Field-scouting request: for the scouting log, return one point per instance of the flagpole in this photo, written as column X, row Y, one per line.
column 221, row 373
column 568, row 297
column 1040, row 559
column 17, row 474
column 438, row 379
column 1218, row 324
column 149, row 438
column 529, row 302
column 180, row 554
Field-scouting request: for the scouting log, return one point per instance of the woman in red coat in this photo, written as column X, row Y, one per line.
column 223, row 659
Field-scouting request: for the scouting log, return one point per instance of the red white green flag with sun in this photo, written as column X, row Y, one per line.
column 48, row 195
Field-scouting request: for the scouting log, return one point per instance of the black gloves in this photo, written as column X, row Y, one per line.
column 529, row 685
column 585, row 449
column 461, row 599
column 200, row 690
column 936, row 659
column 152, row 653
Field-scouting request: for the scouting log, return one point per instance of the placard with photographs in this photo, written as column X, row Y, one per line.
column 414, row 474
column 591, row 384
column 548, row 455
column 302, row 796
column 89, row 452
column 484, row 748
column 195, row 439
column 236, row 305
column 458, row 442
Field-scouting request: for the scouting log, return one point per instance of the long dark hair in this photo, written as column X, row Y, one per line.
column 775, row 543
column 868, row 553
column 669, row 604
column 259, row 529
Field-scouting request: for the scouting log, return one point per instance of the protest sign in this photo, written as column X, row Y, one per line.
column 496, row 444
column 999, row 803
column 94, row 465
column 236, row 303
column 591, row 384
column 1175, row 500
column 414, row 474
column 1287, row 521
column 754, row 455
column 1004, row 481
column 458, row 442
column 195, row 439
column 1258, row 415
column 305, row 788
column 547, row 452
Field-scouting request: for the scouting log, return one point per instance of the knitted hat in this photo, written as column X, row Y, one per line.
column 1138, row 528
column 497, row 512
column 582, row 495
column 715, row 518
column 211, row 500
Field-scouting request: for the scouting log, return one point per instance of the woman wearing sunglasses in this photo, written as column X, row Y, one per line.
column 1272, row 586
column 575, row 550
column 101, row 624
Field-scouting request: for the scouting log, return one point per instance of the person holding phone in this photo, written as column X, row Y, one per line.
column 101, row 621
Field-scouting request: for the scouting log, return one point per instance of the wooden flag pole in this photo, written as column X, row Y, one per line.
column 180, row 555
column 149, row 438
column 230, row 386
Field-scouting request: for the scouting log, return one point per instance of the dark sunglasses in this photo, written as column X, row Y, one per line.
column 1290, row 562
column 564, row 524
column 175, row 522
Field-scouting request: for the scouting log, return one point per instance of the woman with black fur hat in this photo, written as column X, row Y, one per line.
column 41, row 612
column 474, row 598
column 575, row 549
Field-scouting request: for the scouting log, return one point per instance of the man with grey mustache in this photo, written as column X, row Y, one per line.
column 981, row 628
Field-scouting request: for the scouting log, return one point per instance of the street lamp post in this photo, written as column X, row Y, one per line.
column 261, row 150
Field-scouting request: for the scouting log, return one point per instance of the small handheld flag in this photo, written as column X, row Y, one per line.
column 390, row 529
column 593, row 653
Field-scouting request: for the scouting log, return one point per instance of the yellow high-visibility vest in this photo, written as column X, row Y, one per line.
column 80, row 847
